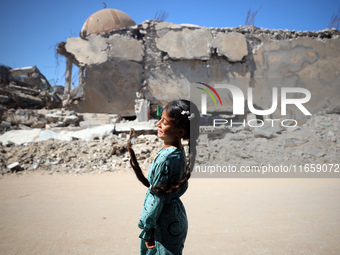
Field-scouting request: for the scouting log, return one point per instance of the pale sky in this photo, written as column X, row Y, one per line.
column 30, row 30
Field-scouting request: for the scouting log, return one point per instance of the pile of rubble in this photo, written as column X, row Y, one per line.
column 316, row 141
column 26, row 88
column 26, row 119
column 109, row 154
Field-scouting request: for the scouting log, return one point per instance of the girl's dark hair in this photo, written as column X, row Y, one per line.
column 189, row 121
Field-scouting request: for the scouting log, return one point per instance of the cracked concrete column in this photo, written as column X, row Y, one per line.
column 81, row 75
column 68, row 77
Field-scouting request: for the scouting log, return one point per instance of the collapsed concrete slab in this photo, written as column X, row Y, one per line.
column 20, row 136
column 86, row 134
column 186, row 44
column 233, row 46
column 98, row 49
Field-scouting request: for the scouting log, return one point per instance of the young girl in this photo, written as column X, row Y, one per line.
column 163, row 220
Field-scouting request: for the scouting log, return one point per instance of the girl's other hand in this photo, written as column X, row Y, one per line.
column 150, row 243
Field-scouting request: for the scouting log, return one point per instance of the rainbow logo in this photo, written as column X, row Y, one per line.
column 209, row 93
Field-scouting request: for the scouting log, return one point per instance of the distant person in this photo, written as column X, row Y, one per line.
column 163, row 220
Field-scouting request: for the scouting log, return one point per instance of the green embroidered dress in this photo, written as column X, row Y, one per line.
column 164, row 216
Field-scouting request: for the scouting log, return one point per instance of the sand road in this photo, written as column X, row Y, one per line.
column 98, row 214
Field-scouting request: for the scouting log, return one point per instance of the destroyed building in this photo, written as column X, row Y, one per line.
column 161, row 61
column 125, row 69
column 26, row 88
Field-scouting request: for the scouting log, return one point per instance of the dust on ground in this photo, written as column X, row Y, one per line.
column 98, row 214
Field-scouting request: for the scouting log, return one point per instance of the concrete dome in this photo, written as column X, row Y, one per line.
column 106, row 20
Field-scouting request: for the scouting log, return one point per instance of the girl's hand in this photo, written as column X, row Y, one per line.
column 150, row 243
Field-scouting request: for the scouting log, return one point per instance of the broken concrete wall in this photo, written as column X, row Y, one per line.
column 247, row 57
column 164, row 61
column 116, row 91
column 112, row 72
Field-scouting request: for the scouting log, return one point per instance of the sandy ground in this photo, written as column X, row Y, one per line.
column 98, row 214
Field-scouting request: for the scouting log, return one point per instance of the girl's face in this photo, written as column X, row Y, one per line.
column 166, row 129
